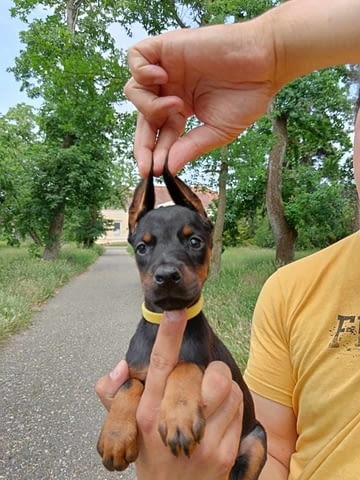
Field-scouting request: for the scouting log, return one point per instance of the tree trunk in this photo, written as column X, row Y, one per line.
column 35, row 237
column 220, row 218
column 53, row 243
column 284, row 234
column 89, row 238
column 72, row 11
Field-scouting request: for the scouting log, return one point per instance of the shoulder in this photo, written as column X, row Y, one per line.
column 299, row 283
column 325, row 261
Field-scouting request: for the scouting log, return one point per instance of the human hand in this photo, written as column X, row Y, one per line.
column 226, row 75
column 108, row 385
column 216, row 453
column 223, row 74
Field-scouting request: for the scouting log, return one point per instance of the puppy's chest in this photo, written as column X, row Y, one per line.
column 197, row 344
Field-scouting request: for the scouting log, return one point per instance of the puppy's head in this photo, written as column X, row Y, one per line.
column 172, row 244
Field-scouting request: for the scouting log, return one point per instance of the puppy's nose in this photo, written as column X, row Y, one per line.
column 167, row 275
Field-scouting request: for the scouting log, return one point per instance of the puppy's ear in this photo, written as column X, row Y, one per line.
column 181, row 193
column 143, row 201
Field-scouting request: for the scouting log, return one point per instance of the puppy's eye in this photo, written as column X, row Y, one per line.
column 195, row 242
column 141, row 248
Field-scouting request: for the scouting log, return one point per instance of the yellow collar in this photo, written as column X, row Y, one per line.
column 191, row 312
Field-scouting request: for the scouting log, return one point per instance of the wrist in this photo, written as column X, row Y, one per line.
column 250, row 54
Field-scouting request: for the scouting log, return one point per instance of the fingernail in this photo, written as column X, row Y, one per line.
column 175, row 315
column 117, row 370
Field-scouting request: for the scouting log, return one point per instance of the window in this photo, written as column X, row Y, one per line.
column 117, row 228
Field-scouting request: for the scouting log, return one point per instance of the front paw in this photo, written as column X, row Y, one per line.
column 117, row 445
column 181, row 426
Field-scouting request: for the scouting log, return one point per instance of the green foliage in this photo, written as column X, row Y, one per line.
column 84, row 227
column 317, row 176
column 263, row 236
column 246, row 192
column 70, row 61
column 19, row 139
column 318, row 112
column 321, row 210
column 27, row 280
column 157, row 17
column 34, row 250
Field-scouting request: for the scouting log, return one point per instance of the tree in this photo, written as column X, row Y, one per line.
column 71, row 62
column 285, row 234
column 220, row 217
column 309, row 121
column 247, row 182
column 19, row 140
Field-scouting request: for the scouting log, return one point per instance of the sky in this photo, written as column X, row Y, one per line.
column 10, row 46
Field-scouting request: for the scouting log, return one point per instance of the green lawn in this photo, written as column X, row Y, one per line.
column 230, row 299
column 25, row 282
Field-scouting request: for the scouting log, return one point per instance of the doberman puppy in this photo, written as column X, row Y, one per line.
column 173, row 248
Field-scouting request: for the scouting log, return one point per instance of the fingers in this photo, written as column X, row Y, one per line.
column 222, row 397
column 216, row 386
column 163, row 359
column 223, row 402
column 151, row 146
column 168, row 135
column 144, row 62
column 229, row 446
column 145, row 139
column 107, row 386
column 196, row 142
column 228, row 412
column 151, row 143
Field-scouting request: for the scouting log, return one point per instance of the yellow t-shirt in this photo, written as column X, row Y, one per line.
column 305, row 354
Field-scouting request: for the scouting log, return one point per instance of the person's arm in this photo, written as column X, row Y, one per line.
column 311, row 35
column 279, row 422
column 226, row 75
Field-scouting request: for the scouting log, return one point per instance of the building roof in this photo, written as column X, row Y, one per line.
column 206, row 196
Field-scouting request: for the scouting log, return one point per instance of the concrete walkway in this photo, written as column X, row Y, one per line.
column 50, row 416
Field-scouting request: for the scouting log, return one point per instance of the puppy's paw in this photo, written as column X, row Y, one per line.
column 117, row 444
column 181, row 425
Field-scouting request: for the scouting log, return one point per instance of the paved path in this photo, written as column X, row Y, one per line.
column 49, row 414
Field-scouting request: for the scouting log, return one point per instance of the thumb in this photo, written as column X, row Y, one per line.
column 108, row 385
column 196, row 142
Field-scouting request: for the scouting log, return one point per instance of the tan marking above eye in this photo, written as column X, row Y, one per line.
column 147, row 237
column 187, row 230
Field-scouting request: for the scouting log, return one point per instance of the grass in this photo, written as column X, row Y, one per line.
column 26, row 282
column 231, row 298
